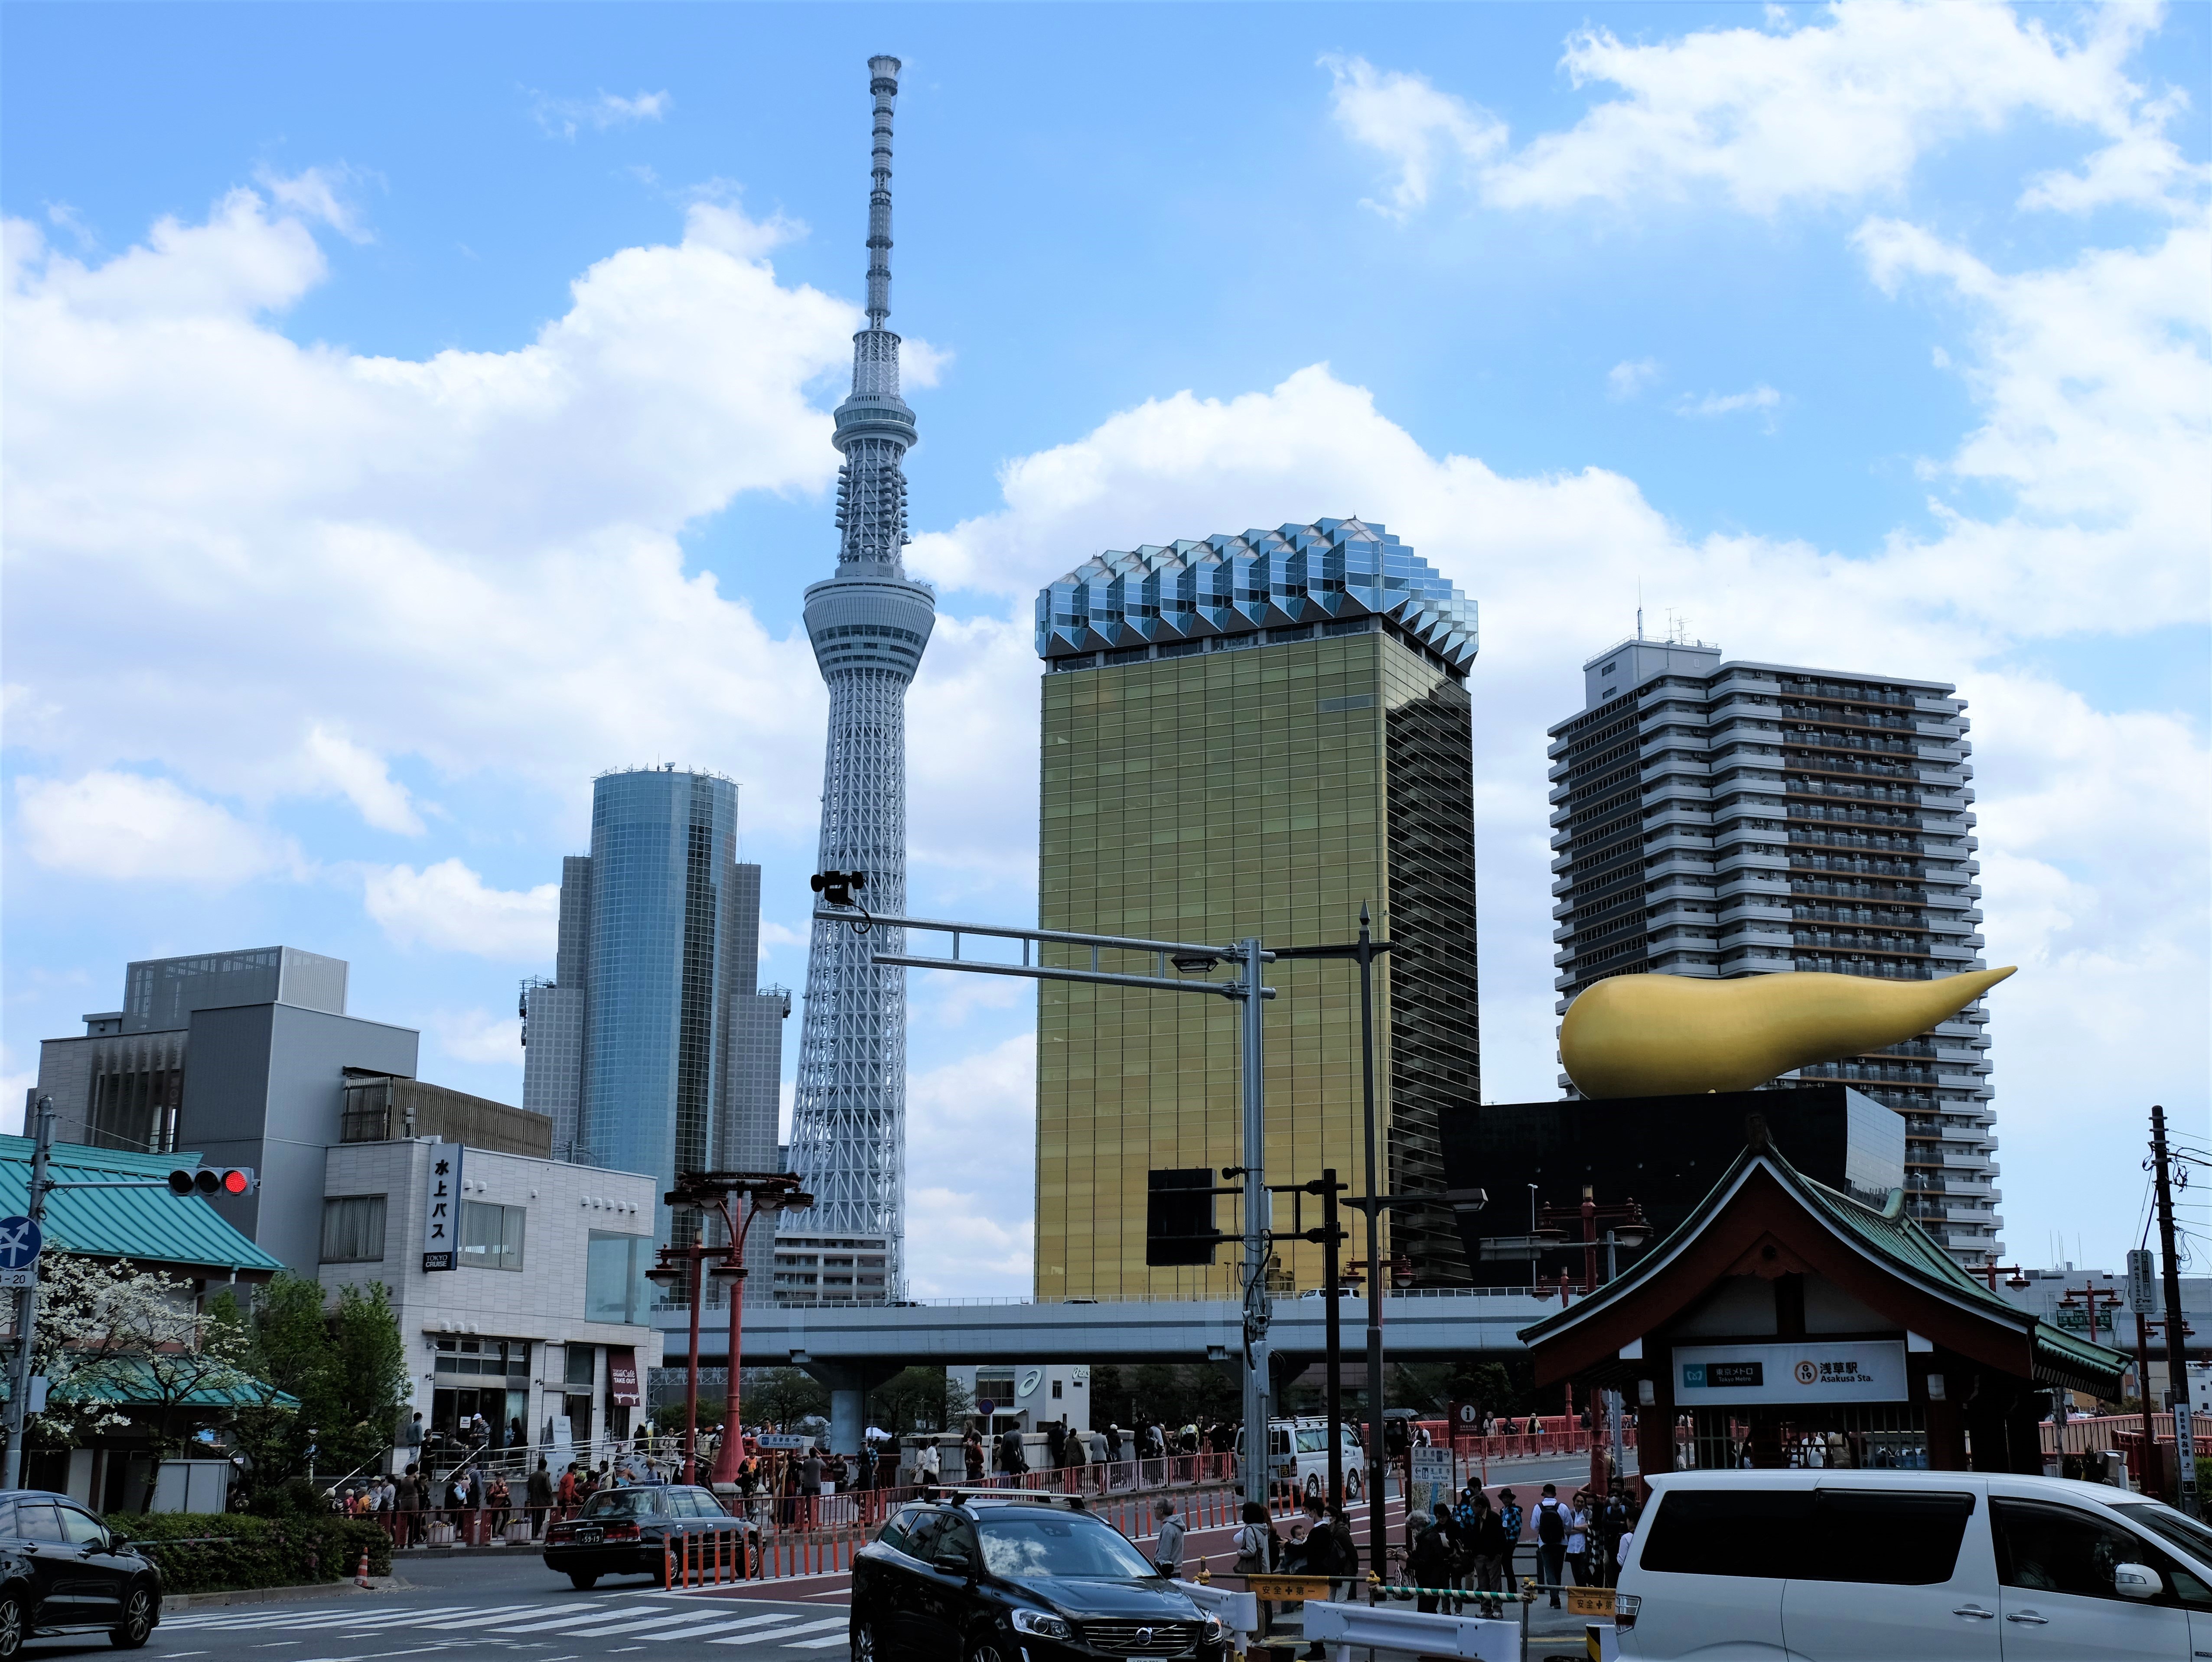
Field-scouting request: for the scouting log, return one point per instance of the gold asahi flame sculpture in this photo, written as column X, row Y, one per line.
column 1666, row 1035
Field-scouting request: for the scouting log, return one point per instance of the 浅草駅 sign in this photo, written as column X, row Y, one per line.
column 1841, row 1370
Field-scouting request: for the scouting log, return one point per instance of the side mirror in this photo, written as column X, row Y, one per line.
column 2137, row 1581
column 954, row 1560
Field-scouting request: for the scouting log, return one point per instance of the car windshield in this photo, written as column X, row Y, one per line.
column 1059, row 1545
column 2184, row 1531
column 622, row 1504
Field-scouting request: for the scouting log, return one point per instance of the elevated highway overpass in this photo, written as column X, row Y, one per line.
column 851, row 1349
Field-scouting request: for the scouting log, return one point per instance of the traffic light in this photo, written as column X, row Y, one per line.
column 213, row 1180
column 836, row 887
column 1179, row 1217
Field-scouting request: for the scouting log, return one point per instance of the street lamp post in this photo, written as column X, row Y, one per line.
column 702, row 1193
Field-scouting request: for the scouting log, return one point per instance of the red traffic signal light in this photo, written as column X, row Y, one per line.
column 212, row 1180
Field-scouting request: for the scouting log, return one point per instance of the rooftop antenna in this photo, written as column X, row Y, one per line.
column 1639, row 609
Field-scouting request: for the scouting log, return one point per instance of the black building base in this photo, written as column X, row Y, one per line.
column 1664, row 1152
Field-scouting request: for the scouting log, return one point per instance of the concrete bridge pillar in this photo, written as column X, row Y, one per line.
column 848, row 1385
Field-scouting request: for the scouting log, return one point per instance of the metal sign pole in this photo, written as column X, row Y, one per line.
column 1191, row 960
column 26, row 1308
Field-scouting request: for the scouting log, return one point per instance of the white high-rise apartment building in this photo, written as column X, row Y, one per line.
column 1713, row 819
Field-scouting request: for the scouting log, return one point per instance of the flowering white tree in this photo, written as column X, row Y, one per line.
column 121, row 1345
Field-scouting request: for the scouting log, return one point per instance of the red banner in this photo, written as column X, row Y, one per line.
column 622, row 1376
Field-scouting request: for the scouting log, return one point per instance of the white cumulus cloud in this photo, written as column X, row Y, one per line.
column 478, row 1035
column 1421, row 131
column 448, row 906
column 129, row 828
column 318, row 565
column 1832, row 109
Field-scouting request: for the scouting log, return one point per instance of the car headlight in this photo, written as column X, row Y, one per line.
column 1211, row 1633
column 1041, row 1626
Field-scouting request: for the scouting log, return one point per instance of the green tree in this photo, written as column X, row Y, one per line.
column 784, row 1398
column 346, row 1367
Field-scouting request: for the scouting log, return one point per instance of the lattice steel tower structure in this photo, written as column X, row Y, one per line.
column 869, row 624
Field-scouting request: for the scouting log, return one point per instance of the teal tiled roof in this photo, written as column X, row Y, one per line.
column 1887, row 1233
column 146, row 1225
column 128, row 1381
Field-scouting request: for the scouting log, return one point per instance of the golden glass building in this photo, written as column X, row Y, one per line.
column 1253, row 734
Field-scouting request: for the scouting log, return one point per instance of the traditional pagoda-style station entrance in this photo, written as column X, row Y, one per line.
column 1785, row 1323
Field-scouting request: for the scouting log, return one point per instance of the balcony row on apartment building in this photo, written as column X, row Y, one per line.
column 1718, row 820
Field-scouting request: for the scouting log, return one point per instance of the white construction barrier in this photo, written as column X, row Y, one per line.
column 1483, row 1637
column 1237, row 1612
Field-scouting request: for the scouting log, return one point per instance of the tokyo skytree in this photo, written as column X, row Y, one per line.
column 869, row 624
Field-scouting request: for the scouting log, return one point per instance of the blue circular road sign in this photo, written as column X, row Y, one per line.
column 20, row 1241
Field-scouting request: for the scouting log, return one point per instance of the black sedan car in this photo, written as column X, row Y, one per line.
column 625, row 1532
column 64, row 1571
column 986, row 1579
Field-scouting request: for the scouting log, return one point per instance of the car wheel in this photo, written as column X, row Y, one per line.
column 12, row 1626
column 863, row 1642
column 986, row 1650
column 137, row 1624
column 583, row 1580
column 1351, row 1485
column 1313, row 1489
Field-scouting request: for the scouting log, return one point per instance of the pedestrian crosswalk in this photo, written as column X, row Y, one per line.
column 619, row 1617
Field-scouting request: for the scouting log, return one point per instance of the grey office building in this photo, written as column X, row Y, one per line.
column 1713, row 819
column 653, row 1048
column 240, row 1057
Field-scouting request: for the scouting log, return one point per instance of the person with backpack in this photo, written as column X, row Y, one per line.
column 1551, row 1543
column 1258, row 1548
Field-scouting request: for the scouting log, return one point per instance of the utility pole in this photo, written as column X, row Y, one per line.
column 27, row 1306
column 1364, row 952
column 1259, row 1386
column 2176, row 1352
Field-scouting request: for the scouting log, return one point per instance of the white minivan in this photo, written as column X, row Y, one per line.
column 1298, row 1456
column 1851, row 1566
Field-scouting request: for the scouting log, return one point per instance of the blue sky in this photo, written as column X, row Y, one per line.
column 412, row 410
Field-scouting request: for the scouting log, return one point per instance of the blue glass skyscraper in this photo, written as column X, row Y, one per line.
column 649, row 1048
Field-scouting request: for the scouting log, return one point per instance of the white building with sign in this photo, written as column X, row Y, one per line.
column 1029, row 1395
column 531, row 1307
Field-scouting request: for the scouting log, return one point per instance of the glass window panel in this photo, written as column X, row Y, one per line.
column 353, row 1230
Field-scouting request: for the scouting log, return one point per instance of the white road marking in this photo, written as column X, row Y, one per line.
column 785, row 1633
column 573, row 1619
column 817, row 1644
column 626, row 1628
column 726, row 1627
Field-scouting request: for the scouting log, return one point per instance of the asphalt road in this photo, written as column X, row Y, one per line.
column 499, row 1606
column 512, row 1606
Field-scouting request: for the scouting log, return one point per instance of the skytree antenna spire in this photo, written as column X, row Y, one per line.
column 869, row 624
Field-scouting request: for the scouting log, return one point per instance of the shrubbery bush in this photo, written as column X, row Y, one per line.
column 225, row 1552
